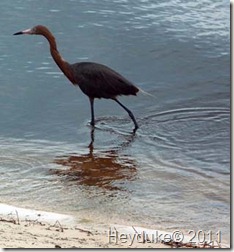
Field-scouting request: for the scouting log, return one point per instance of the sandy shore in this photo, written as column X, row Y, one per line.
column 26, row 228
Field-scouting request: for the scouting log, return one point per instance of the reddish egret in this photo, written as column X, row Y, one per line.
column 95, row 80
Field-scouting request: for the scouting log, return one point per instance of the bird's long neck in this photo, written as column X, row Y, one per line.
column 62, row 64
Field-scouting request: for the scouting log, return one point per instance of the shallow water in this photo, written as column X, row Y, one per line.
column 174, row 173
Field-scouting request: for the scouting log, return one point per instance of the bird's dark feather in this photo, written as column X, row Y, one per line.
column 100, row 81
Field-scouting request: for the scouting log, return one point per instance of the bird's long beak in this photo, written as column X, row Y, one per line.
column 28, row 31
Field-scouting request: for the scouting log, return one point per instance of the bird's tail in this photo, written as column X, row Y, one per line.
column 146, row 93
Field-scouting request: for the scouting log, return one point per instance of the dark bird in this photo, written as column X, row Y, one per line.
column 95, row 80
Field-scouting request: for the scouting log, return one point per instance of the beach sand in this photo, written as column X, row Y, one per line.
column 27, row 228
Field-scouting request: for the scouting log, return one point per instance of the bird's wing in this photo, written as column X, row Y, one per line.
column 100, row 81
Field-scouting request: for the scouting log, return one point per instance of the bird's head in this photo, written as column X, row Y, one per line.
column 36, row 30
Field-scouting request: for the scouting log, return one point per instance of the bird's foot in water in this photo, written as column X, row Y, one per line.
column 135, row 129
column 92, row 123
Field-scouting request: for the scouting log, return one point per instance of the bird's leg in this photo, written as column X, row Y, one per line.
column 129, row 112
column 92, row 111
column 92, row 141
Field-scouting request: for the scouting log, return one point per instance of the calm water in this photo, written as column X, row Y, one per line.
column 175, row 172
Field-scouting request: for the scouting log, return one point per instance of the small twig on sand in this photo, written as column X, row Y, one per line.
column 85, row 231
column 17, row 216
column 174, row 244
column 11, row 218
column 5, row 220
column 57, row 224
column 33, row 222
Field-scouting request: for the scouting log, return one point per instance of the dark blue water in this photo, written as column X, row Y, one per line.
column 175, row 172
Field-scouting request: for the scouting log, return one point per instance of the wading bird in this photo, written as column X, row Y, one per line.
column 95, row 80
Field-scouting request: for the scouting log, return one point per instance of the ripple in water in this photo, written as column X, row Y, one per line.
column 189, row 139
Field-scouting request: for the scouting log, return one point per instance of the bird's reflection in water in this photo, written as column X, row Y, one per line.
column 104, row 169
